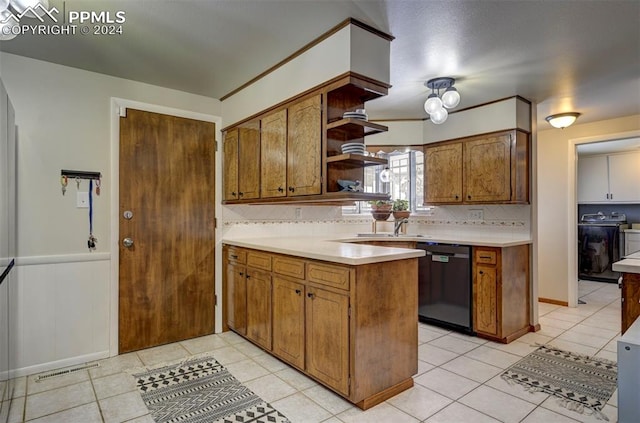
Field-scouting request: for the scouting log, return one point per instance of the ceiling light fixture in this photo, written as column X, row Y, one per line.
column 436, row 106
column 562, row 120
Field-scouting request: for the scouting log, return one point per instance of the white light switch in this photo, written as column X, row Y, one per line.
column 82, row 200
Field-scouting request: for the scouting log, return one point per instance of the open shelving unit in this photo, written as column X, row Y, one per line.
column 349, row 95
column 357, row 160
column 352, row 128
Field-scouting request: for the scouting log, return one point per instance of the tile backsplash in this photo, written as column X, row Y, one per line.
column 498, row 221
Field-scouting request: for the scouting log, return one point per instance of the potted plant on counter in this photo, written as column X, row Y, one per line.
column 381, row 209
column 401, row 209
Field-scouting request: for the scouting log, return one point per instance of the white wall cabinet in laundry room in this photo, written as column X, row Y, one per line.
column 611, row 178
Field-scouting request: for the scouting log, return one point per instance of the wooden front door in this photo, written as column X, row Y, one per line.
column 166, row 279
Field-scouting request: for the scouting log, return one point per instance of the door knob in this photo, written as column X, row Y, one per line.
column 127, row 242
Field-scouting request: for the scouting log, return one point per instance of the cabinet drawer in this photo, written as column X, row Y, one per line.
column 259, row 260
column 486, row 256
column 336, row 276
column 288, row 267
column 236, row 255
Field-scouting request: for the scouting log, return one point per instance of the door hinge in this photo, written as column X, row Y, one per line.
column 122, row 111
column 349, row 311
column 215, row 223
column 215, row 300
column 215, row 143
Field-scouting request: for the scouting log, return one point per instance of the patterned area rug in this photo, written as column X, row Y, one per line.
column 581, row 383
column 201, row 390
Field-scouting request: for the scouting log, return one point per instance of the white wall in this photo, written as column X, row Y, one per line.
column 63, row 116
column 349, row 49
column 506, row 114
column 556, row 211
column 402, row 132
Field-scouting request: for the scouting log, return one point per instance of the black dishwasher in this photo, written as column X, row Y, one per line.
column 444, row 286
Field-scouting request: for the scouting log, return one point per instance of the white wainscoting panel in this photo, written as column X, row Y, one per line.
column 60, row 313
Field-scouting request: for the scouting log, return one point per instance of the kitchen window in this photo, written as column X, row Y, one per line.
column 403, row 179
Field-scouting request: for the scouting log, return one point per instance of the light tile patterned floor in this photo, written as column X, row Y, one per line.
column 458, row 378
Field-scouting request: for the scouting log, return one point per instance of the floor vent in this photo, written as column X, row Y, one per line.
column 66, row 371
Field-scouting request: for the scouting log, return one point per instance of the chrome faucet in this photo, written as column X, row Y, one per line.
column 398, row 225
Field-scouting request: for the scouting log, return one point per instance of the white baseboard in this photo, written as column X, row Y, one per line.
column 59, row 364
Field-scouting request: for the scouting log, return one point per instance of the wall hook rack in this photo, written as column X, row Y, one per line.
column 80, row 174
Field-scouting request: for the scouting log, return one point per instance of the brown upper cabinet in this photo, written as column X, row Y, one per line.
column 487, row 169
column 304, row 139
column 296, row 152
column 273, row 158
column 291, row 156
column 443, row 168
column 241, row 167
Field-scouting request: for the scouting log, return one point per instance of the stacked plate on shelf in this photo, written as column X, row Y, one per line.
column 358, row 114
column 353, row 148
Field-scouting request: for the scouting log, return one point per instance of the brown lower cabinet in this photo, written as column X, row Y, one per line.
column 352, row 328
column 630, row 299
column 501, row 295
column 259, row 307
column 288, row 312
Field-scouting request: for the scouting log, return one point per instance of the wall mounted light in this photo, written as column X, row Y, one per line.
column 562, row 120
column 436, row 106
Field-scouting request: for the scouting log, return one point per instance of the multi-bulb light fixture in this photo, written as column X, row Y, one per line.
column 436, row 106
column 12, row 10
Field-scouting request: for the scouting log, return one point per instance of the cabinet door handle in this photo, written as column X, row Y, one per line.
column 248, row 276
column 292, row 189
column 481, row 272
column 298, row 291
column 240, row 194
column 469, row 197
column 233, row 256
column 485, row 257
column 311, row 295
column 241, row 274
column 457, row 196
column 233, row 194
column 611, row 196
column 280, row 189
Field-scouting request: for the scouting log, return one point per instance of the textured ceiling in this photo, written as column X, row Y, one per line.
column 564, row 55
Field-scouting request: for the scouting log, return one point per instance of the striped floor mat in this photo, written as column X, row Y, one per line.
column 201, row 390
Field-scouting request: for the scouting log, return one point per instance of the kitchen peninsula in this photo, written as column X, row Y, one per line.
column 335, row 308
column 344, row 314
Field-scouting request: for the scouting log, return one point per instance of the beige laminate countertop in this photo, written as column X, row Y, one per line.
column 326, row 249
column 629, row 264
column 345, row 250
column 476, row 241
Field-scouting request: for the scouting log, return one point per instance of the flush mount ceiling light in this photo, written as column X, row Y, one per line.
column 562, row 120
column 436, row 105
